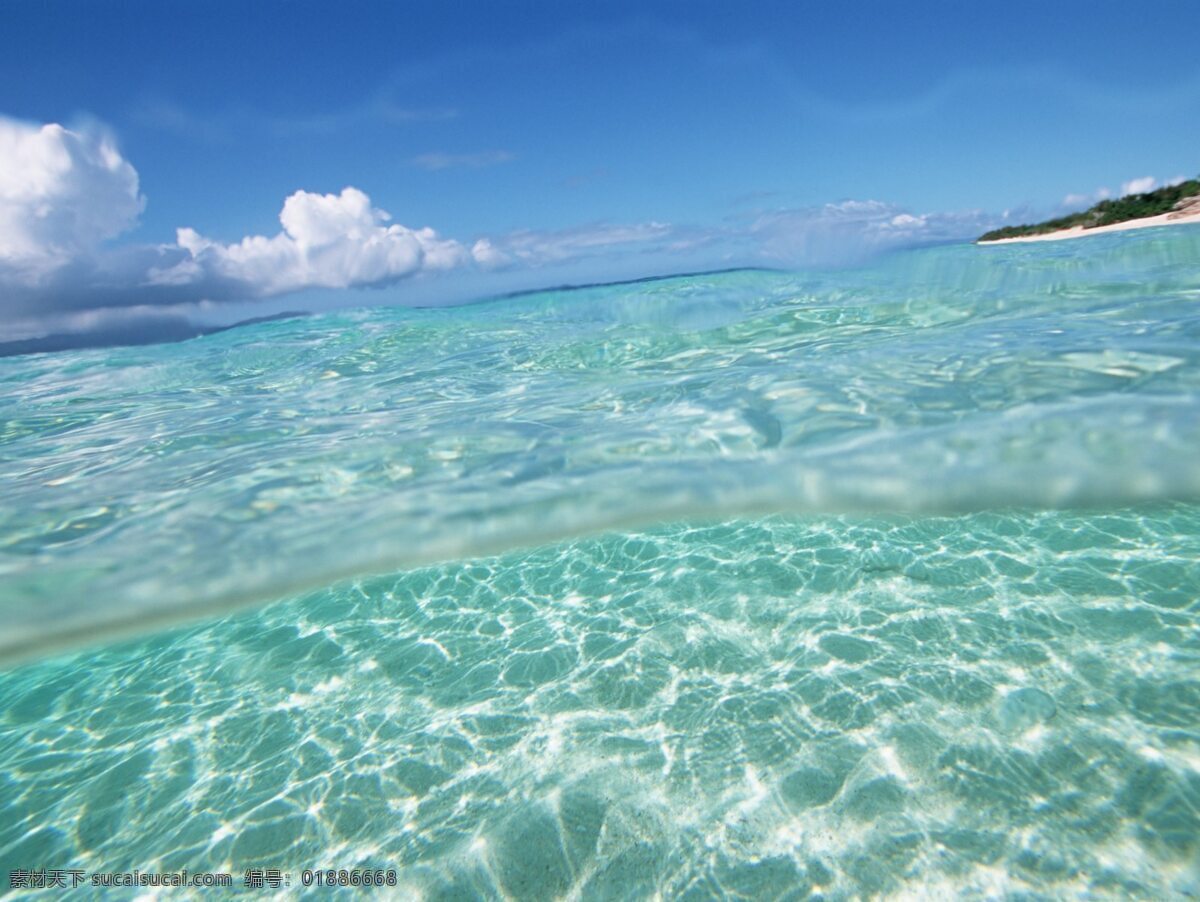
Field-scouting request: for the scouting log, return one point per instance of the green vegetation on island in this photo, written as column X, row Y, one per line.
column 1107, row 212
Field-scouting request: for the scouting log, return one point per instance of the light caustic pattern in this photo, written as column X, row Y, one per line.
column 939, row 707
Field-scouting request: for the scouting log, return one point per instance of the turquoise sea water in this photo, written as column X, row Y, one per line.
column 754, row 584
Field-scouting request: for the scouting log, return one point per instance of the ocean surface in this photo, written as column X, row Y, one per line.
column 880, row 580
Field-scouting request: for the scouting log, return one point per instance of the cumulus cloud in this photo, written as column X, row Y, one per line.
column 1077, row 200
column 488, row 255
column 328, row 241
column 62, row 193
column 1139, row 186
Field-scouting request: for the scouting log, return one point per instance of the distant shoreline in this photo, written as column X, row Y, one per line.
column 1173, row 218
column 1168, row 205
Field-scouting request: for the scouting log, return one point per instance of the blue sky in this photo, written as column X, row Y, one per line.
column 577, row 141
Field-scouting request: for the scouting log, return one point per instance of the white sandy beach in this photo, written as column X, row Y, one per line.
column 1191, row 213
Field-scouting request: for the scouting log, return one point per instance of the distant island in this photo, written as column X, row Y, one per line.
column 1165, row 206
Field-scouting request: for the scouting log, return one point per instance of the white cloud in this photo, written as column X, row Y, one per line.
column 328, row 241
column 1139, row 186
column 830, row 234
column 1133, row 186
column 1075, row 201
column 907, row 221
column 853, row 230
column 539, row 247
column 62, row 192
column 488, row 255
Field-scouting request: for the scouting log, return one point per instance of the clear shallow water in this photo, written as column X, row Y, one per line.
column 147, row 484
column 898, row 682
column 965, row 706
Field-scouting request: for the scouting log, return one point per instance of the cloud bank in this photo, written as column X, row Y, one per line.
column 65, row 192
